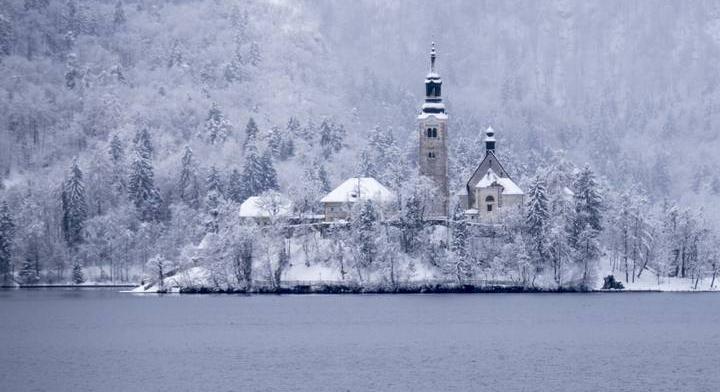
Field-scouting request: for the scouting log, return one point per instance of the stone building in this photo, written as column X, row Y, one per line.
column 490, row 189
column 432, row 128
column 339, row 202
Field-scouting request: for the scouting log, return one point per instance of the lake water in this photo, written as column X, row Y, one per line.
column 103, row 340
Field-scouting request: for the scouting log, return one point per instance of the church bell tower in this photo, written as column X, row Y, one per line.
column 433, row 158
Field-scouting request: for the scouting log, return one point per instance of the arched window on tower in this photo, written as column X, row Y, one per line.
column 434, row 132
column 429, row 132
column 489, row 202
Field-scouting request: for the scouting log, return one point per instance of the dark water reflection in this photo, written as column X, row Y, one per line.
column 102, row 340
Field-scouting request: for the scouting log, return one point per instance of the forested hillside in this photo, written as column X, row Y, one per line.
column 131, row 130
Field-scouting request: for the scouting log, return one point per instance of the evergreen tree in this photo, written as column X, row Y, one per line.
column 5, row 36
column 461, row 267
column 294, row 129
column 141, row 188
column 323, row 179
column 214, row 181
column 77, row 274
column 363, row 225
column 251, row 133
column 117, row 161
column 588, row 204
column 217, row 128
column 74, row 206
column 252, row 175
column 366, row 166
column 143, row 144
column 254, row 57
column 7, row 236
column 235, row 186
column 275, row 142
column 537, row 220
column 411, row 223
column 331, row 138
column 268, row 173
column 119, row 14
column 188, row 184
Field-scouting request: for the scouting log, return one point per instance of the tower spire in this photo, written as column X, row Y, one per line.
column 433, row 54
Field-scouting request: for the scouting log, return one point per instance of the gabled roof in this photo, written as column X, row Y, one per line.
column 359, row 188
column 492, row 179
column 257, row 207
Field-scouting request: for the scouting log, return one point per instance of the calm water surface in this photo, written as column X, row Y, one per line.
column 103, row 340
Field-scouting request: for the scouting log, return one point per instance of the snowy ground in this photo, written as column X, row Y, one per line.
column 649, row 281
column 300, row 272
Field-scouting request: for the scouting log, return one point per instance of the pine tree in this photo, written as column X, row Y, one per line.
column 366, row 166
column 537, row 220
column 268, row 174
column 411, row 223
column 331, row 138
column 588, row 205
column 252, row 175
column 5, row 36
column 275, row 142
column 119, row 14
column 294, row 129
column 217, row 128
column 458, row 246
column 323, row 179
column 363, row 225
column 141, row 188
column 235, row 187
column 251, row 133
column 254, row 57
column 117, row 161
column 216, row 190
column 77, row 274
column 143, row 144
column 7, row 236
column 188, row 184
column 74, row 206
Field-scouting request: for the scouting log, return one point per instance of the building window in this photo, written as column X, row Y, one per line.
column 429, row 132
column 434, row 132
column 490, row 201
column 431, row 155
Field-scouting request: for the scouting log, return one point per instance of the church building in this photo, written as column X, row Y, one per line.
column 489, row 190
column 490, row 187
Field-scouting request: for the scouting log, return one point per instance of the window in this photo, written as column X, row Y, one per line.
column 434, row 132
column 429, row 132
column 431, row 155
column 490, row 201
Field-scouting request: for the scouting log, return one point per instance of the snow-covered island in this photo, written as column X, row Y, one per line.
column 123, row 162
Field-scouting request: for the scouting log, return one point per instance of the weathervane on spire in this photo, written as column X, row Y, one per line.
column 432, row 57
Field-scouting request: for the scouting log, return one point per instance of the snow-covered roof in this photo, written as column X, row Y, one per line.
column 490, row 178
column 471, row 211
column 439, row 116
column 433, row 105
column 261, row 207
column 354, row 189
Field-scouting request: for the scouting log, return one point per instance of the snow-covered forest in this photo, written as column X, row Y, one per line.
column 131, row 131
